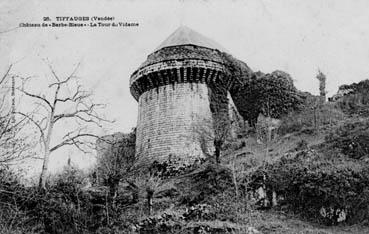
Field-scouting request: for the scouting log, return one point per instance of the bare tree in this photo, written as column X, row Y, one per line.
column 13, row 144
column 115, row 160
column 51, row 111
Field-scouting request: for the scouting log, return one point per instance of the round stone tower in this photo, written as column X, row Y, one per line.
column 174, row 88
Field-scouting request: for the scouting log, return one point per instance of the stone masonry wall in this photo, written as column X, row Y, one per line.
column 167, row 121
column 175, row 114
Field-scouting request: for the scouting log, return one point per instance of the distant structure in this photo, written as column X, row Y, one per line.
column 174, row 88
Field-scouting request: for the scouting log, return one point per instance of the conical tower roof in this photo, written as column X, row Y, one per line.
column 186, row 36
column 185, row 56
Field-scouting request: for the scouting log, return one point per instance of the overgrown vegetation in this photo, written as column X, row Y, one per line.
column 352, row 139
column 272, row 95
column 311, row 184
column 355, row 100
column 315, row 170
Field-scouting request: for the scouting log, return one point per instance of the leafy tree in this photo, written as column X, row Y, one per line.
column 272, row 95
column 248, row 100
column 322, row 83
column 278, row 94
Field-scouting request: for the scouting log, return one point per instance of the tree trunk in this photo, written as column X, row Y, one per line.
column 113, row 189
column 217, row 145
column 45, row 165
column 150, row 194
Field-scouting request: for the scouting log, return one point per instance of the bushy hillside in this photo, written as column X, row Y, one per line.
column 307, row 179
column 310, row 176
column 353, row 99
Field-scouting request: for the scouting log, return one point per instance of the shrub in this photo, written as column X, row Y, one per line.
column 204, row 182
column 301, row 145
column 226, row 206
column 165, row 222
column 172, row 167
column 62, row 208
column 352, row 139
column 14, row 216
column 309, row 182
column 356, row 102
column 310, row 118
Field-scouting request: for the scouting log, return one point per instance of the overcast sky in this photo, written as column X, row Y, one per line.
column 296, row 36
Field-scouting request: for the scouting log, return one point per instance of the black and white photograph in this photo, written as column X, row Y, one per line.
column 184, row 116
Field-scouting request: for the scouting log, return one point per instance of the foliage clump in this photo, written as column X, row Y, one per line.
column 356, row 101
column 310, row 182
column 322, row 83
column 204, row 182
column 273, row 95
column 352, row 139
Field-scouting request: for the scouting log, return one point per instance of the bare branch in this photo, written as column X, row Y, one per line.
column 5, row 128
column 90, row 115
column 6, row 74
column 88, row 120
column 59, row 83
column 35, row 123
column 52, row 70
column 12, row 142
column 84, row 110
column 77, row 96
column 40, row 104
column 36, row 96
column 74, row 140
